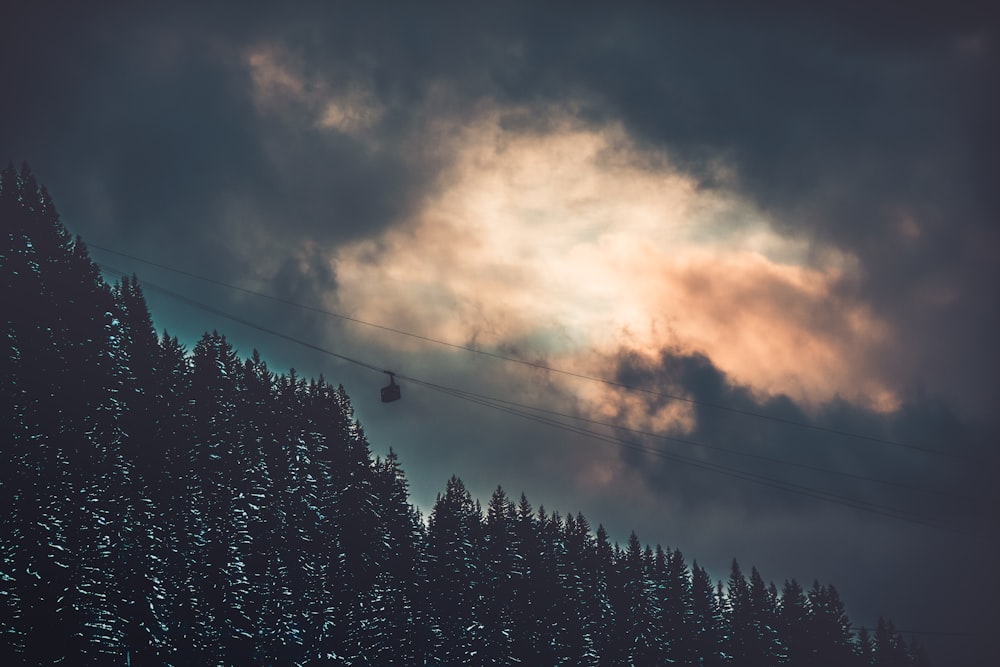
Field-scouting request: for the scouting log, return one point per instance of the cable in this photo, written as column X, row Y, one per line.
column 943, row 633
column 618, row 427
column 552, row 369
column 693, row 443
column 248, row 323
column 782, row 485
column 890, row 513
column 766, row 481
column 834, row 498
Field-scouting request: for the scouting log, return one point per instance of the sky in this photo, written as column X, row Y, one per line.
column 760, row 232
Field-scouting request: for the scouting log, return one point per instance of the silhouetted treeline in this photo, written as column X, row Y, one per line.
column 161, row 506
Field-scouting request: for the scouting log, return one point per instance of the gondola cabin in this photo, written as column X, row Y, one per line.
column 391, row 391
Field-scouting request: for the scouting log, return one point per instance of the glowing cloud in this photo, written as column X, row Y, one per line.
column 351, row 113
column 277, row 78
column 282, row 85
column 569, row 243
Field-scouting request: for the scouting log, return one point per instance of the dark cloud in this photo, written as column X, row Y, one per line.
column 922, row 448
column 843, row 138
column 846, row 124
column 866, row 128
column 145, row 124
column 782, row 529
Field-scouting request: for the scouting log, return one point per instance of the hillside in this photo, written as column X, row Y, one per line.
column 174, row 506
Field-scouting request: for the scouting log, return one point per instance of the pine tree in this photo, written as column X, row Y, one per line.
column 890, row 649
column 865, row 651
column 19, row 284
column 62, row 413
column 830, row 633
column 500, row 577
column 143, row 545
column 706, row 620
column 215, row 520
column 676, row 606
column 524, row 631
column 544, row 580
column 355, row 518
column 454, row 576
column 606, row 581
column 918, row 656
column 767, row 645
column 585, row 592
column 634, row 619
column 739, row 618
column 307, row 547
column 268, row 587
column 397, row 591
column 794, row 624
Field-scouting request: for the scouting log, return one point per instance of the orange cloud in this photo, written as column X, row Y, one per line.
column 282, row 85
column 570, row 243
column 277, row 78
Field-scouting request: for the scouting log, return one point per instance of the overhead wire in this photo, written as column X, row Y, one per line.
column 551, row 369
column 735, row 452
column 501, row 403
column 522, row 411
column 702, row 445
column 945, row 633
column 235, row 318
column 782, row 485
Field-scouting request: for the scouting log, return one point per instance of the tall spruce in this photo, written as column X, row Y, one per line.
column 500, row 577
column 455, row 576
column 830, row 632
column 402, row 635
column 708, row 633
column 794, row 626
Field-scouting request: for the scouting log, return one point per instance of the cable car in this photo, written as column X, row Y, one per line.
column 391, row 392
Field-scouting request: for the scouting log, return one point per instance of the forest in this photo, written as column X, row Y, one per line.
column 171, row 506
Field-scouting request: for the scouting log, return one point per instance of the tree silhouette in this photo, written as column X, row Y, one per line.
column 453, row 564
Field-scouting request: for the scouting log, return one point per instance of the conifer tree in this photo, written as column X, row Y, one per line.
column 525, row 631
column 215, row 526
column 706, row 619
column 676, row 606
column 830, row 633
column 865, row 652
column 603, row 614
column 794, row 624
column 453, row 586
column 63, row 418
column 585, row 592
column 143, row 538
column 739, row 616
column 918, row 656
column 396, row 598
column 544, row 580
column 890, row 649
column 355, row 518
column 767, row 645
column 500, row 577
column 634, row 617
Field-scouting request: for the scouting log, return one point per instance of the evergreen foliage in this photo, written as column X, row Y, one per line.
column 167, row 507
